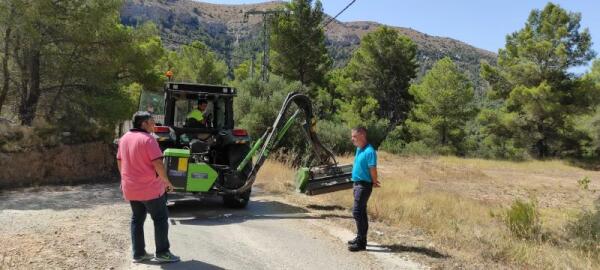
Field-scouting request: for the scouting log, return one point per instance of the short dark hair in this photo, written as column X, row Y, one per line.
column 202, row 101
column 139, row 118
column 360, row 129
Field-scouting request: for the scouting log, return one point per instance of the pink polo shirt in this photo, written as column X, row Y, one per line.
column 139, row 181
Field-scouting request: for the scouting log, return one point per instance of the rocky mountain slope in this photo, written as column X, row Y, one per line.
column 236, row 37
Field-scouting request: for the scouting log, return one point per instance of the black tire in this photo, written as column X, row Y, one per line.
column 237, row 201
column 235, row 155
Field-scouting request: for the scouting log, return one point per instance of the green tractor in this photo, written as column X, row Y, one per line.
column 210, row 156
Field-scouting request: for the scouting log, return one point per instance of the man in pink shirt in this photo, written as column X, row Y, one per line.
column 144, row 183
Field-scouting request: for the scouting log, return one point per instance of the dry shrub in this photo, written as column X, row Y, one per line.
column 585, row 230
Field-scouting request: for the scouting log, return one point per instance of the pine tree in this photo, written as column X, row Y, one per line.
column 443, row 105
column 537, row 95
column 298, row 43
column 381, row 70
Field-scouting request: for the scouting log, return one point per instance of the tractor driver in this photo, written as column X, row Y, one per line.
column 198, row 117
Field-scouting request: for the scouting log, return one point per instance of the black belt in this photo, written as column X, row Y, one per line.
column 363, row 183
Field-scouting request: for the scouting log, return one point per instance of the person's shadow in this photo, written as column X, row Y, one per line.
column 182, row 265
column 397, row 248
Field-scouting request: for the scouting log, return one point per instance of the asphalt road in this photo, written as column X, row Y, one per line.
column 268, row 234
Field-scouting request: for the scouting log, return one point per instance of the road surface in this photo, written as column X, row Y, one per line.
column 268, row 234
column 86, row 227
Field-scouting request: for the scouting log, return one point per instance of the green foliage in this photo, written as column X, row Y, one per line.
column 196, row 63
column 443, row 105
column 539, row 98
column 522, row 219
column 419, row 148
column 361, row 113
column 584, row 183
column 395, row 141
column 244, row 70
column 355, row 107
column 72, row 73
column 336, row 136
column 588, row 126
column 380, row 71
column 256, row 108
column 257, row 103
column 298, row 43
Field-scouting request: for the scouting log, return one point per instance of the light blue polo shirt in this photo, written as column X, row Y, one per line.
column 364, row 159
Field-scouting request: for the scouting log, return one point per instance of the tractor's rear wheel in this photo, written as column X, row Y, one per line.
column 235, row 155
column 237, row 201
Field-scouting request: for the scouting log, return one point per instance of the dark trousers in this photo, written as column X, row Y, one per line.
column 362, row 192
column 157, row 209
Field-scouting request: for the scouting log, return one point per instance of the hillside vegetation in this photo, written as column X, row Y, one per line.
column 224, row 29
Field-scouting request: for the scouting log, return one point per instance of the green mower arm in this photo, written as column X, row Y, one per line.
column 271, row 138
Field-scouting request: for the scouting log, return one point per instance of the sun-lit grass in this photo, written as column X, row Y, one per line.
column 275, row 177
column 449, row 199
column 529, row 166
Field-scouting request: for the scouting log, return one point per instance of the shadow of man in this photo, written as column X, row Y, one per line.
column 397, row 248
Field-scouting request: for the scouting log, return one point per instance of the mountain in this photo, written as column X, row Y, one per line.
column 225, row 29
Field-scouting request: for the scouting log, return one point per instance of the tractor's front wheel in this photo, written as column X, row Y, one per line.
column 237, row 201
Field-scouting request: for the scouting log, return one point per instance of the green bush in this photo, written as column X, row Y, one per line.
column 336, row 136
column 417, row 148
column 522, row 219
column 501, row 148
column 394, row 146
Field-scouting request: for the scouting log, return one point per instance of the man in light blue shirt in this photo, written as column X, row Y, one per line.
column 364, row 176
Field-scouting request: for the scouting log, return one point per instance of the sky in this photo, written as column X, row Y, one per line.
column 481, row 23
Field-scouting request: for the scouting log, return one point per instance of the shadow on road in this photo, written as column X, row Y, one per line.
column 212, row 212
column 397, row 248
column 61, row 197
column 185, row 265
column 325, row 207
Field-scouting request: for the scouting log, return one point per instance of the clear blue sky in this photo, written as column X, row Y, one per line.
column 481, row 23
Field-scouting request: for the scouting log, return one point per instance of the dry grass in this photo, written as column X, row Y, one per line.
column 460, row 204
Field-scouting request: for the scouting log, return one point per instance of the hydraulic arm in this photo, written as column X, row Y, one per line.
column 326, row 176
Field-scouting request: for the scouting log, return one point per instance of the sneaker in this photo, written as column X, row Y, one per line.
column 167, row 257
column 357, row 247
column 143, row 258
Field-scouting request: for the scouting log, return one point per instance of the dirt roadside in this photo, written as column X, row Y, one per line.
column 75, row 227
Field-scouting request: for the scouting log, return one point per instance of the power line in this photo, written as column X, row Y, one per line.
column 339, row 13
column 324, row 25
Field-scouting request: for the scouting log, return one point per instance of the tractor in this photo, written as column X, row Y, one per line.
column 213, row 157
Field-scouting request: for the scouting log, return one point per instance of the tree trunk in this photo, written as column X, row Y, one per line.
column 5, row 72
column 31, row 91
column 541, row 145
column 5, row 59
column 444, row 133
